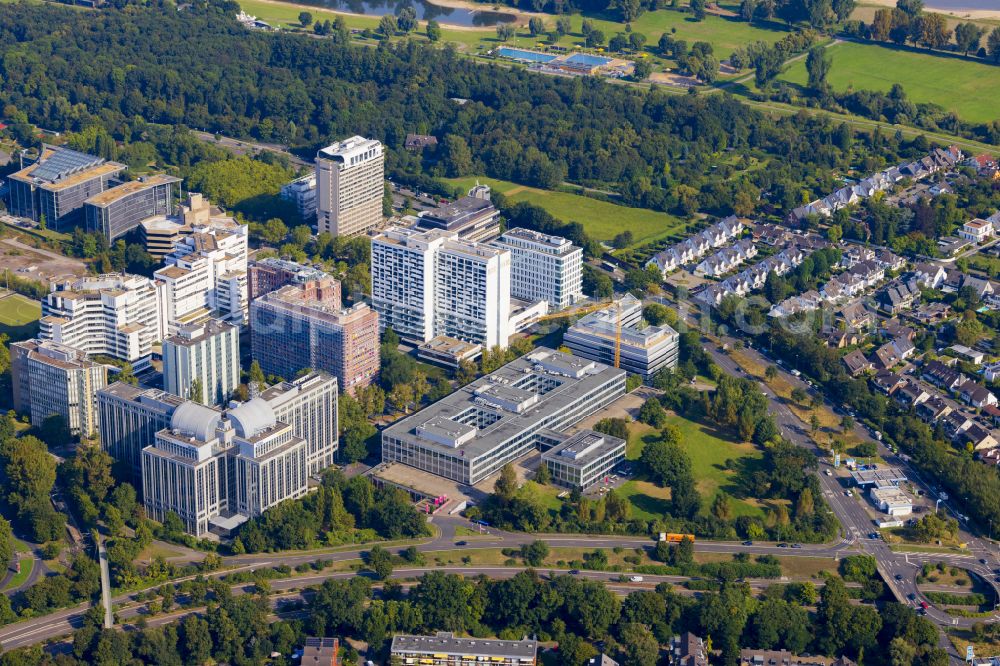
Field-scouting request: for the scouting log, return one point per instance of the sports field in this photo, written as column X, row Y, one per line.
column 601, row 219
column 966, row 87
column 18, row 316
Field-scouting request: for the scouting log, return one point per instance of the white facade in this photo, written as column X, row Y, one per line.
column 350, row 184
column 206, row 273
column 209, row 353
column 309, row 405
column 116, row 314
column 426, row 284
column 302, row 193
column 543, row 267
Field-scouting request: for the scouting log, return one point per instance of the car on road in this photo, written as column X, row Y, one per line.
column 574, row 572
column 924, row 605
column 796, row 545
column 829, row 473
column 782, row 545
column 911, row 596
column 460, row 543
column 899, row 577
column 982, row 560
column 873, row 535
column 635, row 579
column 847, row 493
column 748, row 543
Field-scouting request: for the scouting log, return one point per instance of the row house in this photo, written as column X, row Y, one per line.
column 933, row 409
column 856, row 315
column 911, row 394
column 805, row 302
column 890, row 261
column 855, row 254
column 856, row 363
column 887, row 382
column 892, row 353
column 727, row 259
column 753, row 278
column 855, row 280
column 770, row 234
column 943, row 376
column 976, row 394
column 697, row 246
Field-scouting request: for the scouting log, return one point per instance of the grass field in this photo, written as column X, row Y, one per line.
column 709, row 451
column 19, row 316
column 27, row 564
column 965, row 87
column 601, row 219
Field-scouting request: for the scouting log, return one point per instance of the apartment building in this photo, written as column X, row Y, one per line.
column 207, row 353
column 120, row 209
column 161, row 233
column 543, row 267
column 129, row 418
column 444, row 649
column 309, row 405
column 350, row 184
column 115, row 314
column 304, row 326
column 302, row 193
column 403, row 268
column 642, row 351
column 272, row 273
column 206, row 275
column 470, row 434
column 216, row 470
column 53, row 189
column 52, row 379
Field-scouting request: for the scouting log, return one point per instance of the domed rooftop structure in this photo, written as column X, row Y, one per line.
column 252, row 417
column 197, row 420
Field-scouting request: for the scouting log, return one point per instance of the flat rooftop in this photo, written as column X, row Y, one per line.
column 457, row 213
column 582, row 447
column 108, row 197
column 447, row 643
column 191, row 334
column 59, row 168
column 864, row 477
column 478, row 417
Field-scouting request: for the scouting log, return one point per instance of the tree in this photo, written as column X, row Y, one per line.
column 881, row 24
column 505, row 31
column 536, row 26
column 934, row 32
column 639, row 646
column 770, row 372
column 407, row 20
column 6, row 544
column 433, row 31
column 534, row 554
column 543, row 476
column 506, row 484
column 594, row 38
column 257, row 375
column 29, row 472
column 305, row 19
column 456, row 156
column 818, row 64
column 721, row 507
column 636, row 40
column 652, row 413
column 847, row 423
column 563, row 25
column 380, row 562
column 698, row 9
column 968, row 36
column 387, row 26
column 993, row 45
column 197, row 390
column 616, row 427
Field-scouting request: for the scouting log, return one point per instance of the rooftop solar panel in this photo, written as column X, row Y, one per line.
column 65, row 162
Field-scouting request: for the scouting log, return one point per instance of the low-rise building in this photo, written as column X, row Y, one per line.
column 117, row 211
column 444, row 649
column 751, row 657
column 891, row 500
column 856, row 363
column 977, row 230
column 472, row 218
column 687, row 649
column 270, row 274
column 967, row 353
column 642, row 351
column 301, row 192
column 470, row 434
column 580, row 460
column 448, row 352
column 320, row 652
column 52, row 379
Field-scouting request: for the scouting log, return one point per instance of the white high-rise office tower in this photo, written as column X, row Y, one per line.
column 208, row 353
column 350, row 184
column 543, row 267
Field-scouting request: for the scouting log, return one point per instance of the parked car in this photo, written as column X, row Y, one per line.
column 635, row 579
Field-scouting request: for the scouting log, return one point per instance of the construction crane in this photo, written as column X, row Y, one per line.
column 618, row 335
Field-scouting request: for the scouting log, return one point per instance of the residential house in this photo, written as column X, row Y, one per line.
column 930, row 275
column 977, row 230
column 855, row 254
column 955, row 423
column 976, row 394
column 931, row 313
column 942, row 375
column 894, row 352
column 991, row 372
column 933, row 409
column 992, row 412
column 890, row 261
column 979, row 437
column 911, row 394
column 770, row 234
column 887, row 382
column 967, row 353
column 898, row 296
column 856, row 363
column 687, row 650
column 417, row 142
column 856, row 315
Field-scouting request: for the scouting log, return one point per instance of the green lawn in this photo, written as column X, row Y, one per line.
column 709, row 451
column 967, row 88
column 27, row 564
column 602, row 220
column 19, row 316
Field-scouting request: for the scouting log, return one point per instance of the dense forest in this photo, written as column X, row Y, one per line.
column 128, row 70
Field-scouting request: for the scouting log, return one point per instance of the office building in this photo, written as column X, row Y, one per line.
column 891, row 499
column 129, row 418
column 309, row 405
column 350, row 185
column 272, row 273
column 582, row 459
column 161, row 233
column 207, row 353
column 216, row 470
column 206, row 275
column 471, row 218
column 471, row 433
column 52, row 379
column 543, row 267
column 304, row 326
column 642, row 351
column 116, row 314
column 53, row 189
column 119, row 210
column 403, row 270
column 448, row 352
column 444, row 649
column 302, row 193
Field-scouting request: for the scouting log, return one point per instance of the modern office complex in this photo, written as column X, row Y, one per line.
column 444, row 649
column 543, row 267
column 428, row 283
column 267, row 275
column 304, row 326
column 302, row 193
column 161, row 233
column 580, row 460
column 130, row 416
column 309, row 405
column 119, row 210
column 216, row 470
column 52, row 379
column 114, row 314
column 472, row 433
column 350, row 184
column 206, row 275
column 643, row 351
column 54, row 188
column 472, row 218
column 207, row 353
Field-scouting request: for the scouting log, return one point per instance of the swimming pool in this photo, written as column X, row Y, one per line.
column 524, row 56
column 586, row 59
